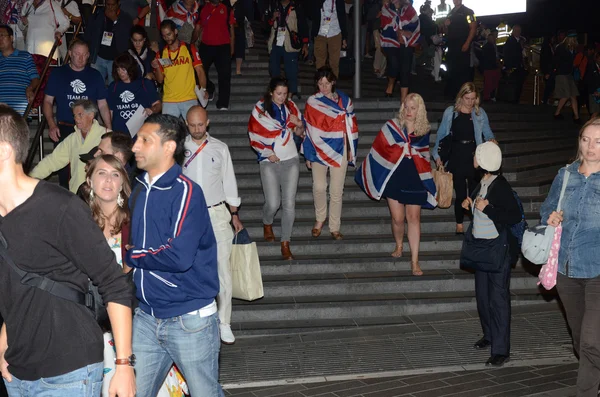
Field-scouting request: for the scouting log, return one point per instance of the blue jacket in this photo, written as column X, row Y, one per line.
column 579, row 243
column 174, row 258
column 483, row 132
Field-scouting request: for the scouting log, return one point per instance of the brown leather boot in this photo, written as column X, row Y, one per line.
column 285, row 251
column 268, row 232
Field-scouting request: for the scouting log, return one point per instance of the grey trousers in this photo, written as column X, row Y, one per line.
column 280, row 183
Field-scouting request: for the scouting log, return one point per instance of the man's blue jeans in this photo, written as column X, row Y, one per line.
column 290, row 60
column 105, row 67
column 190, row 341
column 83, row 382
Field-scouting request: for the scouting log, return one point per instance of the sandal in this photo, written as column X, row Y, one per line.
column 316, row 231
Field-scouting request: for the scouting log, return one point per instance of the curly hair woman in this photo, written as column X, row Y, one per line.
column 398, row 169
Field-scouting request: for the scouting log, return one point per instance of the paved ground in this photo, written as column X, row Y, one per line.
column 427, row 356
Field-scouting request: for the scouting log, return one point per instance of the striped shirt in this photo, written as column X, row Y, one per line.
column 21, row 69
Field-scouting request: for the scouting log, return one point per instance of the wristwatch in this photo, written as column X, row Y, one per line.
column 234, row 213
column 126, row 361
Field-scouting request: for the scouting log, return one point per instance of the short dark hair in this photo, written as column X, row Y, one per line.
column 121, row 143
column 326, row 72
column 125, row 61
column 167, row 23
column 14, row 131
column 8, row 29
column 171, row 128
column 77, row 42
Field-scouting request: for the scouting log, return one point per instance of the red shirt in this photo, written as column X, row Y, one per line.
column 215, row 22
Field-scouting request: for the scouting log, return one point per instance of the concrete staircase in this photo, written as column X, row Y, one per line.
column 355, row 282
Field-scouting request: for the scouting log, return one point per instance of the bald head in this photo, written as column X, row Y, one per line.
column 197, row 122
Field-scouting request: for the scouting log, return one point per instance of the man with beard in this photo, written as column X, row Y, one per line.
column 208, row 163
column 174, row 257
column 178, row 66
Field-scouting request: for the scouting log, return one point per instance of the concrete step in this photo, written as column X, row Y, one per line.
column 308, row 308
column 358, row 224
column 371, row 283
column 367, row 263
column 357, row 244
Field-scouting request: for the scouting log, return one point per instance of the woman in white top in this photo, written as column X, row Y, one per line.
column 109, row 191
column 274, row 122
column 44, row 23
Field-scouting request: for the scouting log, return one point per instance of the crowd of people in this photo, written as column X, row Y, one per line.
column 154, row 235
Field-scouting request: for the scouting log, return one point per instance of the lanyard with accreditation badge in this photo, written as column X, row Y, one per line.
column 187, row 163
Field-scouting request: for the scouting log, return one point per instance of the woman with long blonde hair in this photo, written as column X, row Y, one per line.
column 407, row 186
column 464, row 126
column 565, row 87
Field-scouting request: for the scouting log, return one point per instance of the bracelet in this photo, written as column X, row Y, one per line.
column 234, row 213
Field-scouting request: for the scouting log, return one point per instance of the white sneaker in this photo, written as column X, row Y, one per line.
column 227, row 337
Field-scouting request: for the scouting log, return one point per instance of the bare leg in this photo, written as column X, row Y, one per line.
column 397, row 211
column 403, row 94
column 390, row 86
column 561, row 104
column 413, row 217
column 574, row 107
column 238, row 65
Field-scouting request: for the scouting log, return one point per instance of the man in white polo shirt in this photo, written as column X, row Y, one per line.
column 208, row 163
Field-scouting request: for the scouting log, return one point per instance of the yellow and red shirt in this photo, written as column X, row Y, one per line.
column 180, row 79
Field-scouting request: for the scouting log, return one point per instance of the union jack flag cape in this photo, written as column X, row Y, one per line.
column 180, row 15
column 390, row 147
column 393, row 20
column 327, row 124
column 264, row 129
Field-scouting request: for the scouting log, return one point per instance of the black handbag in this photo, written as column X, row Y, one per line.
column 484, row 255
column 294, row 39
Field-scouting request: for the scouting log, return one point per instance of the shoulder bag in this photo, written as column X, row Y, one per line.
column 537, row 240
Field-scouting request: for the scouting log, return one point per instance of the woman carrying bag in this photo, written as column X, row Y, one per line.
column 464, row 126
column 403, row 176
column 490, row 248
column 578, row 278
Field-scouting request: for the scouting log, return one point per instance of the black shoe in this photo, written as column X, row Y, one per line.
column 558, row 117
column 577, row 121
column 482, row 344
column 497, row 360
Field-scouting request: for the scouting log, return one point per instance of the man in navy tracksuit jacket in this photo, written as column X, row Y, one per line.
column 174, row 259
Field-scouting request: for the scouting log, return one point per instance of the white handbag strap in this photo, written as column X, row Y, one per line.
column 562, row 191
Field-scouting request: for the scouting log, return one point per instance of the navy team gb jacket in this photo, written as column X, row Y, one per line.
column 174, row 254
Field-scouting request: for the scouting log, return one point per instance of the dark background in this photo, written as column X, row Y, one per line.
column 545, row 17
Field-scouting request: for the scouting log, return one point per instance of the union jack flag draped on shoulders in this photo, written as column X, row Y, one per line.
column 264, row 129
column 394, row 20
column 392, row 145
column 180, row 15
column 328, row 123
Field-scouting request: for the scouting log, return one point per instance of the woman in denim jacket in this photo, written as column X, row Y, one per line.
column 578, row 281
column 469, row 126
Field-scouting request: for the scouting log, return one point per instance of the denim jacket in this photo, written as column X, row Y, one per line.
column 579, row 243
column 483, row 132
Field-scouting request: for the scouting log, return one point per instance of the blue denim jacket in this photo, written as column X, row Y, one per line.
column 580, row 240
column 483, row 132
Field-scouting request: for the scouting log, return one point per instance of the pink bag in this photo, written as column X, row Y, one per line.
column 549, row 271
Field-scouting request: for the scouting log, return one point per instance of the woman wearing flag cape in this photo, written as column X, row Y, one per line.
column 330, row 144
column 274, row 122
column 397, row 168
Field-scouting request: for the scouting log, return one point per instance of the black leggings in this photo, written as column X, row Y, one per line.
column 462, row 184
